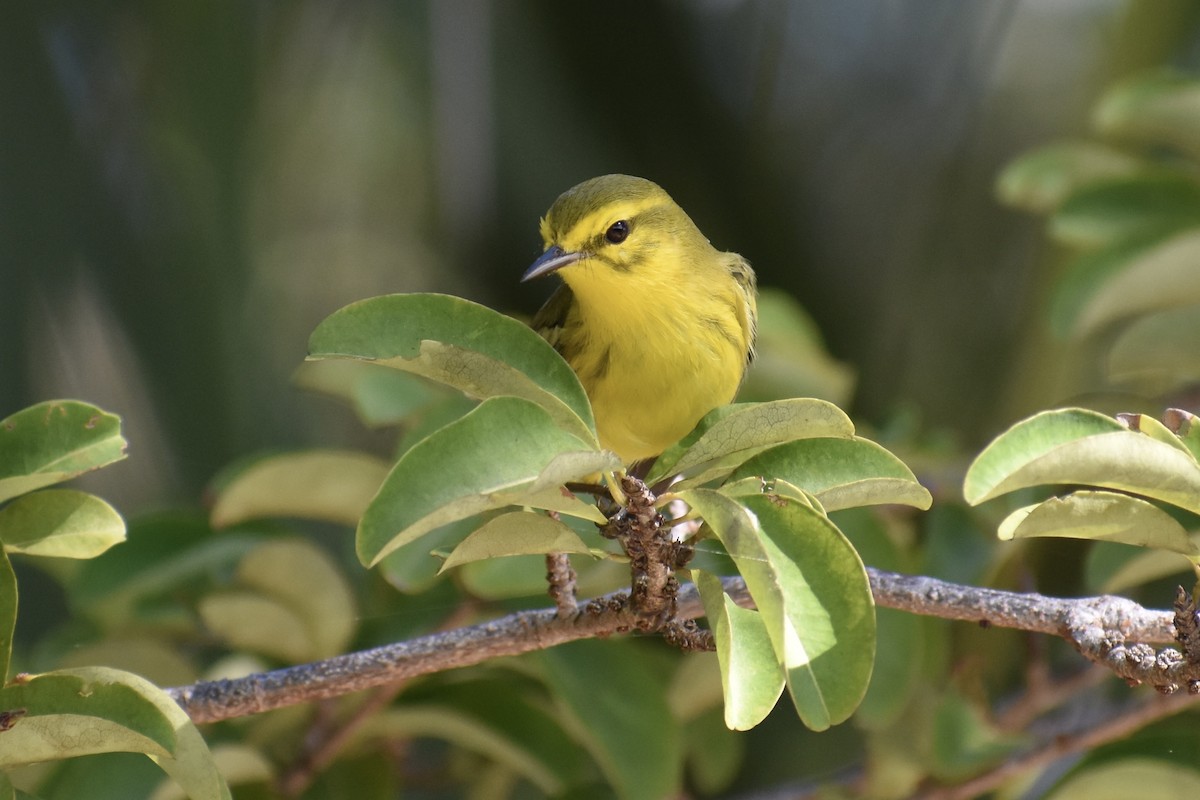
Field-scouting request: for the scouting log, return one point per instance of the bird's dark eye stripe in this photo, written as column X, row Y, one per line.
column 617, row 232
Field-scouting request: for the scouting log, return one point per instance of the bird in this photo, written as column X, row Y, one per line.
column 657, row 323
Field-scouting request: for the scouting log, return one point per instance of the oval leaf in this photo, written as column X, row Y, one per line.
column 462, row 344
column 517, row 533
column 8, row 613
column 1105, row 212
column 812, row 592
column 457, row 472
column 751, row 677
column 288, row 570
column 1024, row 443
column 751, row 429
column 1160, row 278
column 53, row 441
column 1158, row 351
column 1155, row 108
column 1100, row 516
column 1124, row 460
column 1130, row 777
column 1040, row 180
column 330, row 485
column 62, row 523
column 840, row 473
column 379, row 395
column 252, row 621
column 615, row 698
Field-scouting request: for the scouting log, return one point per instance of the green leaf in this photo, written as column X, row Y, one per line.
column 330, row 485
column 463, row 729
column 812, row 592
column 290, row 570
column 238, row 764
column 1157, row 279
column 8, row 613
column 62, row 523
column 1117, row 568
column 457, row 472
column 751, row 677
column 1123, row 460
column 751, row 429
column 1160, row 351
column 841, row 473
column 54, row 441
column 1024, row 444
column 1088, row 272
column 964, row 741
column 616, row 703
column 99, row 710
column 1130, row 777
column 258, row 623
column 1155, row 108
column 379, row 395
column 1145, row 424
column 1038, row 181
column 1100, row 516
column 516, row 533
column 462, row 344
column 1107, row 211
column 65, row 714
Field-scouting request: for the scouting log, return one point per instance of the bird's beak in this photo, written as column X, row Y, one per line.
column 555, row 258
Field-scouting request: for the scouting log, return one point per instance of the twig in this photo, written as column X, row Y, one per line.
column 1087, row 622
column 560, row 576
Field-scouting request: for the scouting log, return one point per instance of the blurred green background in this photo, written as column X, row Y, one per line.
column 186, row 189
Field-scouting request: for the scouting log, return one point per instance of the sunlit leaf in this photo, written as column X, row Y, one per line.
column 67, row 714
column 460, row 470
column 1130, row 777
column 62, row 523
column 750, row 430
column 812, row 592
column 514, row 534
column 331, row 485
column 462, row 344
column 125, row 712
column 751, row 676
column 840, row 473
column 1122, row 460
column 1149, row 426
column 1104, row 212
column 1100, row 516
column 1026, row 442
column 53, row 441
column 1038, row 181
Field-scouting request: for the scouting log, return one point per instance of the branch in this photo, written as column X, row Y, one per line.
column 1097, row 626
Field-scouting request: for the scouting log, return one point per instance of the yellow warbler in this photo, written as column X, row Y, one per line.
column 657, row 323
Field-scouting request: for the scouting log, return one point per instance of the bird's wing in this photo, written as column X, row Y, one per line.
column 747, row 311
column 551, row 317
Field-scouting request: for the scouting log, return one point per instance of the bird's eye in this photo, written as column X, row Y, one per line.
column 617, row 232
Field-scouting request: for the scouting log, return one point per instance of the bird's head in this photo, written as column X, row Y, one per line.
column 609, row 227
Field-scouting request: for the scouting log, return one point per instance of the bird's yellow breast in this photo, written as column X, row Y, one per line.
column 656, row 357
